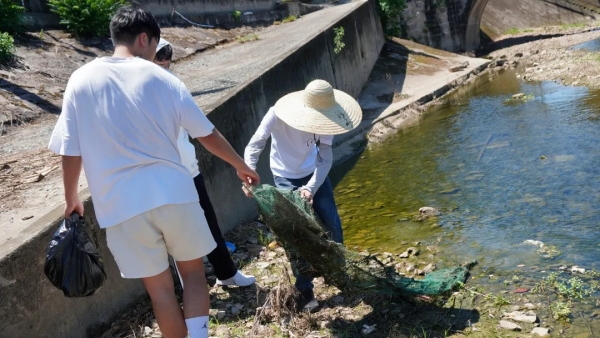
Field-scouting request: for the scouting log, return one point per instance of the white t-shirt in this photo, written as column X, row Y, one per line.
column 293, row 152
column 188, row 153
column 123, row 116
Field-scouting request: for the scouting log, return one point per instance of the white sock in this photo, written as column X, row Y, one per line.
column 197, row 327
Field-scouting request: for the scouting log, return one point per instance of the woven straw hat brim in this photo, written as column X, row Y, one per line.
column 342, row 117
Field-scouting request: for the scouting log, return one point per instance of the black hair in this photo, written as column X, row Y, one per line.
column 164, row 54
column 130, row 21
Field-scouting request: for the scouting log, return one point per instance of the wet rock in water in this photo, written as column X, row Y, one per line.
column 506, row 325
column 540, row 332
column 534, row 242
column 409, row 252
column 429, row 268
column 518, row 96
column 576, row 269
column 521, row 290
column 429, row 211
column 519, row 316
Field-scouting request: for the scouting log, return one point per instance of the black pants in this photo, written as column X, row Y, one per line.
column 219, row 258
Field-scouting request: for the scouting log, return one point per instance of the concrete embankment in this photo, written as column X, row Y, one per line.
column 250, row 79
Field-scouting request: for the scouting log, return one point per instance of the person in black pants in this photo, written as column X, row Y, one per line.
column 224, row 267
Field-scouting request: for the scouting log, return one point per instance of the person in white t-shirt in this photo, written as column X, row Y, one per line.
column 301, row 126
column 224, row 267
column 120, row 119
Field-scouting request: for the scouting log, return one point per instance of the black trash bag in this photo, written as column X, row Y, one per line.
column 73, row 263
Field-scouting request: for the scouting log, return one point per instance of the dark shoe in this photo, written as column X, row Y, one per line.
column 308, row 302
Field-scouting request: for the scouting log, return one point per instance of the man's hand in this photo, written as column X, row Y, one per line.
column 307, row 195
column 74, row 205
column 218, row 145
column 247, row 175
column 246, row 190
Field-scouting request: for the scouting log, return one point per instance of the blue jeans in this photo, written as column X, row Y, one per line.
column 325, row 208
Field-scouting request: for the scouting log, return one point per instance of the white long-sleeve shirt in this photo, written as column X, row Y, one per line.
column 294, row 153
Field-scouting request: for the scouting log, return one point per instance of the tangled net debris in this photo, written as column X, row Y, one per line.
column 298, row 229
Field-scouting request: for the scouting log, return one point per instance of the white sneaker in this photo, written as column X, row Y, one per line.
column 238, row 279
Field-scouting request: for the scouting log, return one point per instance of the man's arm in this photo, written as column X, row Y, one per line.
column 71, row 166
column 218, row 145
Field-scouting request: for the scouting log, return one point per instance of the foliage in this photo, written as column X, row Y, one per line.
column 10, row 16
column 566, row 291
column 514, row 31
column 561, row 311
column 289, row 18
column 337, row 40
column 237, row 16
column 86, row 18
column 7, row 47
column 389, row 11
column 248, row 37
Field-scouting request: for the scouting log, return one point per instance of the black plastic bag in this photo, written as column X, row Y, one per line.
column 73, row 263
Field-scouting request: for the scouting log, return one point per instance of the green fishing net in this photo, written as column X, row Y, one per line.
column 299, row 230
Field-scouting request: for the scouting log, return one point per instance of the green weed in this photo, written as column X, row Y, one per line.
column 7, row 47
column 10, row 16
column 337, row 40
column 289, row 18
column 248, row 37
column 237, row 16
column 86, row 18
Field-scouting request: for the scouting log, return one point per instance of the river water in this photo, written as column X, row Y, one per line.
column 501, row 172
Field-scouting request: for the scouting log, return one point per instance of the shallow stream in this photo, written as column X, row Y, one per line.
column 501, row 171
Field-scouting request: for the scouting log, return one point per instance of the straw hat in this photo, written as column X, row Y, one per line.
column 319, row 109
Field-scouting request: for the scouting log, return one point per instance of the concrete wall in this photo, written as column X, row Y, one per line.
column 455, row 25
column 181, row 12
column 501, row 16
column 31, row 307
column 437, row 23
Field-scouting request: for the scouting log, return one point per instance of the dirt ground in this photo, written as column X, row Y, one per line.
column 31, row 93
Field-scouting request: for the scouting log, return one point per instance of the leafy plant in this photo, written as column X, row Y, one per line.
column 10, row 16
column 389, row 11
column 237, row 16
column 7, row 47
column 560, row 311
column 86, row 18
column 337, row 40
column 289, row 18
column 248, row 37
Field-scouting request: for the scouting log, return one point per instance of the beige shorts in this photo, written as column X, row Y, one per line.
column 141, row 245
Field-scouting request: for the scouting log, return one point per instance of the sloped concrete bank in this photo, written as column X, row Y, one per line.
column 31, row 307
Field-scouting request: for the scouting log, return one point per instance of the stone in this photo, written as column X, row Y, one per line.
column 519, row 316
column 506, row 325
column 540, row 332
column 429, row 211
column 221, row 315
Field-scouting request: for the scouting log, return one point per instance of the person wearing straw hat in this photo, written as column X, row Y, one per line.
column 224, row 267
column 301, row 126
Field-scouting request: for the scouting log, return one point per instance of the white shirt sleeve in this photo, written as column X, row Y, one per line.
column 65, row 136
column 323, row 166
column 193, row 119
column 259, row 139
